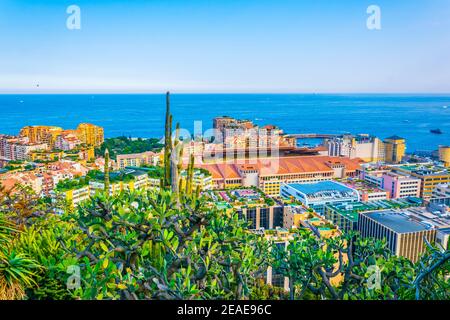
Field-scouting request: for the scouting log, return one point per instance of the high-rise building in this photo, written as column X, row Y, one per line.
column 15, row 148
column 41, row 134
column 444, row 155
column 395, row 148
column 90, row 134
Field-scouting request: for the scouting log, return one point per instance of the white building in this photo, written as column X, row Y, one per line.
column 363, row 146
column 442, row 191
column 317, row 195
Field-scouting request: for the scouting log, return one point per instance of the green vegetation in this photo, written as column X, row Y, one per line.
column 155, row 172
column 71, row 184
column 114, row 177
column 203, row 171
column 11, row 168
column 16, row 162
column 124, row 145
column 368, row 272
column 141, row 245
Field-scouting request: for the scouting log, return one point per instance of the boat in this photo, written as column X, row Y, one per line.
column 436, row 131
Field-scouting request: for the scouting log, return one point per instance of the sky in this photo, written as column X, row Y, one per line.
column 275, row 46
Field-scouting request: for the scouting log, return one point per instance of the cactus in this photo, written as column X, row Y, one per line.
column 176, row 161
column 167, row 144
column 190, row 175
column 106, row 181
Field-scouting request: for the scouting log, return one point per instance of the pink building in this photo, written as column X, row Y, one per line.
column 401, row 186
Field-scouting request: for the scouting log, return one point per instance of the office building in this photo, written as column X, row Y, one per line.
column 404, row 230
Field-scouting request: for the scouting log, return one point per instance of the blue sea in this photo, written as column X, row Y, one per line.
column 139, row 115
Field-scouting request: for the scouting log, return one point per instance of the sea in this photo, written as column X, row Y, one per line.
column 142, row 115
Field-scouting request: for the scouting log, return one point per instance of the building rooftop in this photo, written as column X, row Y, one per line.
column 425, row 170
column 313, row 188
column 241, row 197
column 411, row 219
column 396, row 221
column 281, row 166
column 445, row 230
column 363, row 186
column 325, row 190
column 351, row 210
column 395, row 137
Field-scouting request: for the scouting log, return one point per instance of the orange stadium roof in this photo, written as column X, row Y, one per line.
column 280, row 166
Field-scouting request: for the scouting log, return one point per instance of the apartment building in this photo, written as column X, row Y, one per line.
column 401, row 185
column 395, row 148
column 430, row 176
column 362, row 146
column 17, row 148
column 90, row 134
column 136, row 159
column 41, row 134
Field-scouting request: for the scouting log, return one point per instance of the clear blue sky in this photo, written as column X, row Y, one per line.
column 225, row 46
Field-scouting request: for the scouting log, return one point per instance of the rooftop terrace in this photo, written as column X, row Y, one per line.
column 425, row 170
column 351, row 210
column 241, row 197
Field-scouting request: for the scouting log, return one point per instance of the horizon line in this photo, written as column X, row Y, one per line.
column 225, row 92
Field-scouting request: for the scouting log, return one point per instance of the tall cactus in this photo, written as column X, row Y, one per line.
column 106, row 171
column 176, row 161
column 190, row 175
column 167, row 144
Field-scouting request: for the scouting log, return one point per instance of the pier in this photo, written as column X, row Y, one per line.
column 311, row 135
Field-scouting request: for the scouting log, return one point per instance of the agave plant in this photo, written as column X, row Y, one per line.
column 16, row 269
column 16, row 273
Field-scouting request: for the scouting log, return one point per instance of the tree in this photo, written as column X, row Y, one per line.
column 141, row 246
column 344, row 267
column 433, row 274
